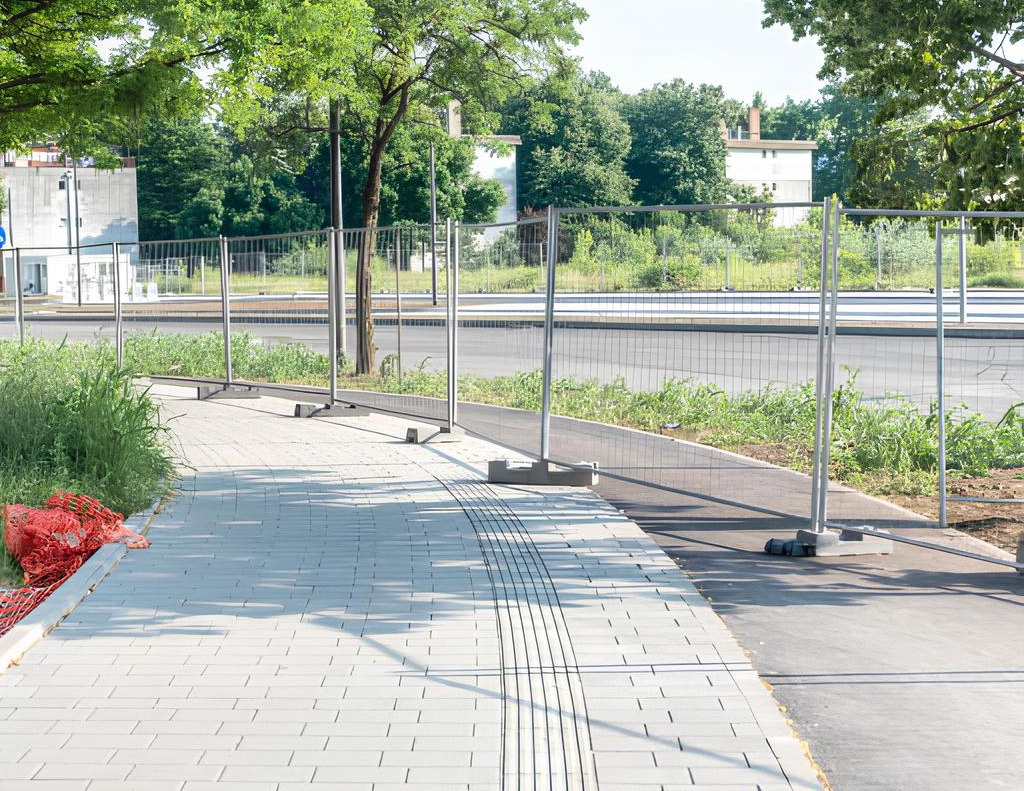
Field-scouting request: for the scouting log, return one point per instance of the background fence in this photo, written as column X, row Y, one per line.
column 708, row 325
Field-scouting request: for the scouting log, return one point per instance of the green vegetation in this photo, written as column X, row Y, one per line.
column 889, row 447
column 69, row 419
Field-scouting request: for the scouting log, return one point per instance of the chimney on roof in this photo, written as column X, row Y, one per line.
column 455, row 119
column 754, row 122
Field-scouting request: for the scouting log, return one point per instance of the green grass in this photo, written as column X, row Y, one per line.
column 997, row 280
column 69, row 419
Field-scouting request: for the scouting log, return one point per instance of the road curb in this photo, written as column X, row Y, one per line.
column 61, row 603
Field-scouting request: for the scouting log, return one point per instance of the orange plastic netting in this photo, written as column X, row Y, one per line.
column 51, row 543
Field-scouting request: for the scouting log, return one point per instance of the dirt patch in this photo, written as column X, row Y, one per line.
column 1001, row 524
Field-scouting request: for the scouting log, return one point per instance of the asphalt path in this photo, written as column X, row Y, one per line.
column 985, row 374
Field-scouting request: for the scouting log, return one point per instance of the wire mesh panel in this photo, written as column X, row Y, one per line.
column 690, row 324
column 904, row 397
column 501, row 330
column 68, row 294
column 409, row 329
column 279, row 308
column 8, row 297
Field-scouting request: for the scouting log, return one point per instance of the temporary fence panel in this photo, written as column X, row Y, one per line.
column 501, row 313
column 409, row 332
column 924, row 371
column 692, row 323
column 278, row 308
column 10, row 324
column 67, row 294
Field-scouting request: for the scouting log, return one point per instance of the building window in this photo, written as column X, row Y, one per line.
column 775, row 154
column 774, row 186
column 764, row 155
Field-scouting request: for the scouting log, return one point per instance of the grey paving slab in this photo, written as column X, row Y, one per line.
column 325, row 606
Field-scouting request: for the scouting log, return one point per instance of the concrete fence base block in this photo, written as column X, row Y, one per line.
column 329, row 410
column 832, row 545
column 542, row 473
column 420, row 435
column 1020, row 554
column 207, row 392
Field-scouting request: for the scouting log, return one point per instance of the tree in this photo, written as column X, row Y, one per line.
column 678, row 155
column 64, row 65
column 574, row 141
column 181, row 175
column 950, row 60
column 405, row 178
column 424, row 53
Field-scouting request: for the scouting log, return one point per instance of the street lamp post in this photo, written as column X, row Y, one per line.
column 78, row 238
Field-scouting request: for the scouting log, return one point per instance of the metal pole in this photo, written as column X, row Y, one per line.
column 728, row 260
column 225, row 300
column 19, row 297
column 549, row 335
column 451, row 302
column 398, row 298
column 339, row 257
column 118, row 318
column 332, row 313
column 940, row 343
column 664, row 261
column 826, row 422
column 67, row 197
column 433, row 227
column 454, row 299
column 78, row 236
column 878, row 254
column 10, row 218
column 202, row 274
column 819, row 381
column 963, row 270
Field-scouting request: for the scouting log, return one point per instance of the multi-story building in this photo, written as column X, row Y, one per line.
column 782, row 167
column 57, row 204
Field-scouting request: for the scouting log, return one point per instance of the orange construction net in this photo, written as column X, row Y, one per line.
column 51, row 543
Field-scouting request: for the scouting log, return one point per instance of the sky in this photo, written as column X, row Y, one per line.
column 721, row 42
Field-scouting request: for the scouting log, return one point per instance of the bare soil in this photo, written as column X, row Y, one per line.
column 1001, row 524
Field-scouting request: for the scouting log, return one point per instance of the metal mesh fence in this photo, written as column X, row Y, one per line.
column 698, row 330
column 501, row 330
column 409, row 285
column 910, row 400
column 278, row 308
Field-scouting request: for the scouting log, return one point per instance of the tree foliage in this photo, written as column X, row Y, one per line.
column 574, row 141
column 678, row 155
column 952, row 60
column 67, row 65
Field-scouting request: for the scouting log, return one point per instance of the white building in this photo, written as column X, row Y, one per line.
column 782, row 167
column 55, row 206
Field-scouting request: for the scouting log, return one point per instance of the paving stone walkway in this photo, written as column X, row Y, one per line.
column 327, row 607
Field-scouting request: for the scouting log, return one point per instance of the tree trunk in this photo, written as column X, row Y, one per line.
column 367, row 246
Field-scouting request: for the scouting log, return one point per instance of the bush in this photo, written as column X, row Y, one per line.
column 69, row 418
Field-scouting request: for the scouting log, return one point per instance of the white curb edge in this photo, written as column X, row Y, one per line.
column 42, row 620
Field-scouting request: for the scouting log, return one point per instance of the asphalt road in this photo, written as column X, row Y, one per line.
column 987, row 374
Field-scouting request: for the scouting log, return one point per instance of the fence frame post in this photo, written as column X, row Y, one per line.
column 19, row 297
column 451, row 318
column 963, row 269
column 398, row 300
column 118, row 318
column 549, row 335
column 332, row 312
column 817, row 522
column 940, row 351
column 225, row 300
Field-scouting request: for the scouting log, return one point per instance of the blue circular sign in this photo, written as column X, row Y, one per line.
column 3, row 238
